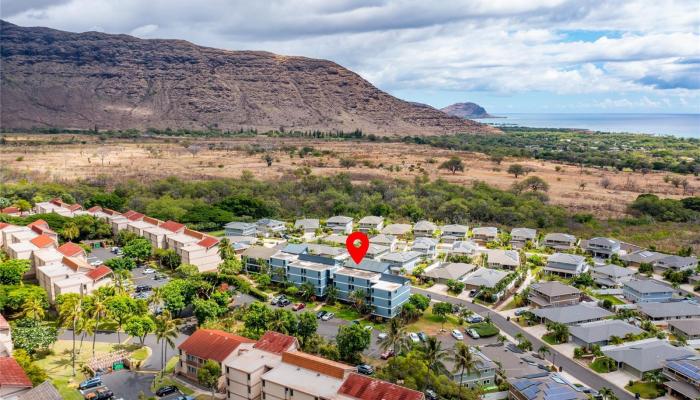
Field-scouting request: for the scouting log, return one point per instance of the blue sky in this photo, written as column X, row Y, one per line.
column 629, row 56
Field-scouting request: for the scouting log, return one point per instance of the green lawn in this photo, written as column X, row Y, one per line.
column 485, row 329
column 614, row 300
column 170, row 365
column 599, row 367
column 343, row 312
column 140, row 354
column 646, row 390
column 549, row 339
column 158, row 382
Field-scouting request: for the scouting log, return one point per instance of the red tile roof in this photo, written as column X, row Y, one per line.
column 275, row 342
column 99, row 272
column 56, row 201
column 152, row 221
column 42, row 241
column 71, row 263
column 110, row 212
column 70, row 249
column 74, row 207
column 208, row 242
column 136, row 216
column 3, row 323
column 12, row 375
column 10, row 210
column 316, row 363
column 40, row 223
column 365, row 388
column 4, row 225
column 212, row 344
column 172, row 226
column 193, row 233
column 94, row 209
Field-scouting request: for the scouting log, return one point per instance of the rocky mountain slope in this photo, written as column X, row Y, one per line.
column 466, row 110
column 52, row 78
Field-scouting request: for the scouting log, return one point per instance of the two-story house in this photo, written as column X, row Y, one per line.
column 384, row 240
column 560, row 241
column 424, row 228
column 308, row 226
column 503, row 259
column 683, row 378
column 256, row 259
column 371, row 223
column 340, row 224
column 553, row 294
column 267, row 227
column 485, row 234
column 397, row 230
column 483, row 375
column 601, row 247
column 240, row 229
column 565, row 264
column 611, row 275
column 519, row 237
column 402, row 261
column 426, row 246
column 453, row 233
column 646, row 291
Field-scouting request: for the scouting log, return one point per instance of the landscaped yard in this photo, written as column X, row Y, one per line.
column 549, row 339
column 598, row 365
column 485, row 329
column 614, row 300
column 431, row 323
column 167, row 380
column 343, row 312
column 646, row 390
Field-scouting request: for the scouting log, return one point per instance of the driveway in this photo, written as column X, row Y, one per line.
column 128, row 384
column 585, row 375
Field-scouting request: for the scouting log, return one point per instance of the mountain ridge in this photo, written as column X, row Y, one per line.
column 466, row 110
column 52, row 78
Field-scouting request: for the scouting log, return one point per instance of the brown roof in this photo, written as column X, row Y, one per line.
column 3, row 225
column 208, row 242
column 365, row 388
column 72, row 263
column 99, row 272
column 135, row 216
column 74, row 207
column 70, row 249
column 153, row 221
column 212, row 344
column 110, row 211
column 315, row 363
column 172, row 226
column 275, row 342
column 42, row 241
column 40, row 223
column 12, row 375
column 56, row 201
column 95, row 209
column 10, row 210
column 193, row 233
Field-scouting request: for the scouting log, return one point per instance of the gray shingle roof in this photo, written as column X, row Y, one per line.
column 677, row 261
column 339, row 219
column 402, row 256
column 368, row 265
column 240, row 225
column 449, row 271
column 454, row 228
column 260, row 252
column 504, row 257
column 485, row 277
column 670, row 310
column 382, row 239
column 646, row 355
column 554, row 288
column 643, row 256
column 688, row 326
column 647, row 286
column 572, row 314
column 371, row 219
column 527, row 233
column 560, row 237
column 485, row 230
column 613, row 270
column 599, row 331
column 307, row 223
column 424, row 226
column 397, row 229
column 44, row 391
column 566, row 258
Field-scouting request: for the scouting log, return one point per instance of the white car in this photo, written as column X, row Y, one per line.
column 96, row 263
column 149, row 271
column 457, row 334
column 473, row 334
column 414, row 337
column 382, row 335
column 327, row 317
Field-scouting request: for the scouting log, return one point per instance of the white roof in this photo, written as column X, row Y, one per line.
column 22, row 246
column 75, row 280
column 48, row 254
column 304, row 380
column 141, row 225
column 156, row 230
column 252, row 359
column 56, row 269
column 182, row 238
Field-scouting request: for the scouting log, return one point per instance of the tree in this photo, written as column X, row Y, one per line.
column 69, row 310
column 166, row 333
column 257, row 317
column 453, row 165
column 464, row 361
column 167, row 258
column 33, row 308
column 102, row 153
column 70, row 232
column 352, row 340
column 140, row 327
column 231, row 266
column 331, row 295
column 268, row 159
column 34, row 372
column 12, row 271
column 395, row 338
column 607, row 393
column 516, row 170
column 99, row 310
column 23, row 205
column 533, row 183
column 120, row 263
column 225, row 250
column 33, row 336
column 208, row 375
column 206, row 310
column 307, row 326
column 435, row 354
column 187, row 271
column 347, row 163
column 558, row 331
column 283, row 321
column 358, row 298
column 455, row 286
column 120, row 308
column 138, row 249
column 420, row 301
column 543, row 351
column 441, row 310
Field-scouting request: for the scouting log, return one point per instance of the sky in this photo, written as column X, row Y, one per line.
column 510, row 56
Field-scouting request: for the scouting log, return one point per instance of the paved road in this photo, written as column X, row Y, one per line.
column 586, row 375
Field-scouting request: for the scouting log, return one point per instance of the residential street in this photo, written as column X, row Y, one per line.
column 585, row 375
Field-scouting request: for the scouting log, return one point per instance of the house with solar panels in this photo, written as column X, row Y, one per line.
column 544, row 386
column 642, row 356
column 683, row 378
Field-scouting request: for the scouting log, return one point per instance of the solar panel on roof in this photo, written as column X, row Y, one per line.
column 531, row 393
column 685, row 368
column 522, row 384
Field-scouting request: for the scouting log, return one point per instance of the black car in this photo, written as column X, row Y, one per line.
column 422, row 336
column 166, row 390
column 284, row 302
column 320, row 314
column 365, row 369
column 143, row 288
column 100, row 394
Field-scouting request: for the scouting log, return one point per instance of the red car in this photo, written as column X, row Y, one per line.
column 298, row 306
column 387, row 354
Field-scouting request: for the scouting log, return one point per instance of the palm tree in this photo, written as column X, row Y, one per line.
column 519, row 337
column 357, row 297
column 607, row 393
column 434, row 354
column 99, row 309
column 121, row 279
column 395, row 337
column 225, row 250
column 543, row 351
column 653, row 376
column 501, row 339
column 166, row 332
column 69, row 313
column 70, row 232
column 33, row 309
column 464, row 361
column 307, row 290
column 331, row 295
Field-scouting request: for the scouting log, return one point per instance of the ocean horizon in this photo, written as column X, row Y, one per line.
column 680, row 125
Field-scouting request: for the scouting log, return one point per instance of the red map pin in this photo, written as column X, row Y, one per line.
column 357, row 253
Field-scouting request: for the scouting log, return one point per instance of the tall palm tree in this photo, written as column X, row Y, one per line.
column 464, row 361
column 121, row 280
column 395, row 337
column 166, row 332
column 543, row 351
column 70, row 231
column 69, row 313
column 607, row 393
column 225, row 250
column 33, row 309
column 435, row 354
column 99, row 310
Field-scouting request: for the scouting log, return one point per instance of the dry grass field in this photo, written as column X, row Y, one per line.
column 570, row 186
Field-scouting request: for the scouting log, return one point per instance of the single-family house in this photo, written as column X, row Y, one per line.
column 336, row 253
column 203, row 345
column 675, row 310
column 424, row 228
column 464, row 248
column 483, row 375
column 485, row 234
column 571, row 315
column 683, row 378
column 559, row 241
column 601, row 247
column 687, row 328
column 453, row 233
column 371, row 223
column 637, row 258
column 611, row 275
column 542, row 386
column 599, row 332
column 402, row 261
column 504, row 259
column 519, row 237
column 340, row 224
column 565, row 264
column 43, row 391
column 335, row 239
column 267, row 227
column 553, row 294
column 646, row 355
column 240, row 229
column 384, row 240
column 646, row 291
column 13, row 380
column 676, row 263
column 376, row 250
column 484, row 277
column 443, row 272
column 308, row 226
column 397, row 230
column 426, row 246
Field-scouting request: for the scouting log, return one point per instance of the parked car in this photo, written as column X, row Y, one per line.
column 474, row 318
column 100, row 394
column 283, row 302
column 457, row 334
column 166, row 390
column 414, row 337
column 90, row 383
column 328, row 316
column 320, row 314
column 298, row 306
column 114, row 250
column 472, row 293
column 96, row 263
column 520, row 311
column 274, row 300
column 387, row 355
column 158, row 277
column 143, row 288
column 473, row 333
column 149, row 271
column 365, row 369
column 382, row 335
column 422, row 336
column 431, row 395
column 369, row 328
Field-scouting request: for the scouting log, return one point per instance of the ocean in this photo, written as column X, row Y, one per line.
column 682, row 125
